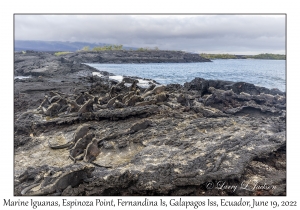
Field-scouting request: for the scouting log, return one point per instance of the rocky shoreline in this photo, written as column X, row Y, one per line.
column 79, row 134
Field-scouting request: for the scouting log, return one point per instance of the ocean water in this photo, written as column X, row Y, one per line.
column 265, row 73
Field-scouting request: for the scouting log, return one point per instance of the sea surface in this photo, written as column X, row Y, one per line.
column 265, row 73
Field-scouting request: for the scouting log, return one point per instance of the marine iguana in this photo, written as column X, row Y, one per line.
column 54, row 97
column 111, row 102
column 103, row 100
column 63, row 104
column 118, row 104
column 88, row 96
column 79, row 133
column 161, row 97
column 80, row 145
column 159, row 89
column 58, row 182
column 134, row 99
column 44, row 102
column 87, row 106
column 151, row 87
column 127, row 96
column 156, row 90
column 133, row 86
column 80, row 99
column 112, row 92
column 139, row 126
column 144, row 103
column 73, row 106
column 120, row 85
column 91, row 152
column 52, row 110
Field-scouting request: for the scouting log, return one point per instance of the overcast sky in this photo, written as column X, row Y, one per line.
column 236, row 34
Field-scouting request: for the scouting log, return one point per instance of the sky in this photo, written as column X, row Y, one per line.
column 233, row 34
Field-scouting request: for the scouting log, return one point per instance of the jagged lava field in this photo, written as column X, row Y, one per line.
column 78, row 134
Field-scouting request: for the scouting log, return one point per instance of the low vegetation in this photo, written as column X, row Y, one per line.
column 61, row 53
column 269, row 56
column 86, row 48
column 147, row 49
column 116, row 47
column 108, row 47
column 218, row 56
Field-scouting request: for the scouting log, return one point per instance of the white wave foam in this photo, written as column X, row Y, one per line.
column 143, row 83
column 22, row 77
column 118, row 78
column 97, row 74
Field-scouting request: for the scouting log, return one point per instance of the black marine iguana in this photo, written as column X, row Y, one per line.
column 72, row 176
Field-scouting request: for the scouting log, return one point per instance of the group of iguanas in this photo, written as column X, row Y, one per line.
column 119, row 96
column 84, row 144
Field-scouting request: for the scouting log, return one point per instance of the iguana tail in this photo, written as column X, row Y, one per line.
column 26, row 189
column 59, row 146
column 95, row 164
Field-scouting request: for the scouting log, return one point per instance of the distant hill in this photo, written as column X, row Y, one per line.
column 23, row 45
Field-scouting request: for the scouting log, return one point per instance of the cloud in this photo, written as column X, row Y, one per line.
column 207, row 33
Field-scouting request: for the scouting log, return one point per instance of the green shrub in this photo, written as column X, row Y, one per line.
column 259, row 56
column 269, row 56
column 146, row 49
column 218, row 56
column 61, row 53
column 108, row 47
column 86, row 48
